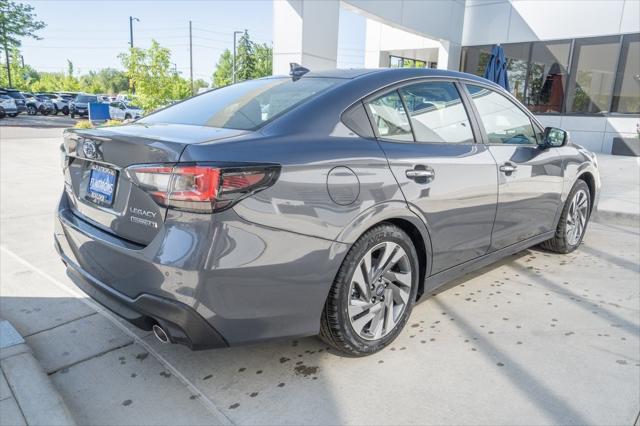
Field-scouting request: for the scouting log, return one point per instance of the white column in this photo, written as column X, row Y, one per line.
column 449, row 55
column 305, row 32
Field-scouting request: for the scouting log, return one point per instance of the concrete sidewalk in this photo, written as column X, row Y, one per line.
column 620, row 193
column 27, row 396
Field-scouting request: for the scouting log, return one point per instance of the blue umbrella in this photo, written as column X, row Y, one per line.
column 496, row 70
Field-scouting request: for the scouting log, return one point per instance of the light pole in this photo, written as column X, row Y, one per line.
column 131, row 19
column 233, row 77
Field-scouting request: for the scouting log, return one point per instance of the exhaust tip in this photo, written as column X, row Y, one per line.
column 160, row 334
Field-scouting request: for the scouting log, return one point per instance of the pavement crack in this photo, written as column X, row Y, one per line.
column 97, row 355
column 59, row 325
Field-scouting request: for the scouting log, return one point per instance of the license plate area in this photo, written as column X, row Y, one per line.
column 102, row 185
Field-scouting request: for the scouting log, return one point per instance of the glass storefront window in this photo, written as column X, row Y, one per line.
column 626, row 95
column 547, row 76
column 592, row 74
column 517, row 56
column 398, row 62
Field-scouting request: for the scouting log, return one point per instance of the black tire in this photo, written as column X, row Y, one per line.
column 336, row 328
column 560, row 242
column 32, row 110
column 73, row 115
column 3, row 113
column 127, row 117
column 65, row 110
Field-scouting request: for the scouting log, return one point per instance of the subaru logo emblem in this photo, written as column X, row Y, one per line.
column 89, row 149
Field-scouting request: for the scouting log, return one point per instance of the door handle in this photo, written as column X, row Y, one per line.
column 508, row 168
column 420, row 173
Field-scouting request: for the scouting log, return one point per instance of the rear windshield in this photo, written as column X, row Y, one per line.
column 83, row 99
column 15, row 95
column 243, row 106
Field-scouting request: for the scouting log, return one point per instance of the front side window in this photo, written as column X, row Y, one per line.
column 437, row 113
column 504, row 122
column 390, row 117
column 244, row 106
column 592, row 75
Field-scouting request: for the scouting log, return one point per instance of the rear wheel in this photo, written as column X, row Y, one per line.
column 573, row 220
column 65, row 110
column 73, row 115
column 373, row 293
column 32, row 110
column 55, row 110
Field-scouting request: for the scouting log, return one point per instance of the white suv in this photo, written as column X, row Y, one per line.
column 120, row 110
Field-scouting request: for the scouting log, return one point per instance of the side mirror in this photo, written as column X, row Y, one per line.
column 554, row 137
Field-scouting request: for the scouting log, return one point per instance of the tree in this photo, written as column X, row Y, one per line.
column 151, row 73
column 245, row 59
column 199, row 83
column 224, row 69
column 17, row 20
column 264, row 60
column 252, row 61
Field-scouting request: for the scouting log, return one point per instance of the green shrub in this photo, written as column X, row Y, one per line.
column 83, row 124
column 110, row 123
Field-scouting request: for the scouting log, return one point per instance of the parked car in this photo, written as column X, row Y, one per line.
column 38, row 103
column 18, row 98
column 120, row 110
column 80, row 105
column 7, row 105
column 60, row 103
column 220, row 221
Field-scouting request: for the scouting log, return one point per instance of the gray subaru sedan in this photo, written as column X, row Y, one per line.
column 319, row 203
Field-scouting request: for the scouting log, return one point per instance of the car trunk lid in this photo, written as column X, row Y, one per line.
column 98, row 185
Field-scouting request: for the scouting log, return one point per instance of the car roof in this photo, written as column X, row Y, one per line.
column 352, row 73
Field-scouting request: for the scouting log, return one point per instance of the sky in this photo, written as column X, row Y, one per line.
column 91, row 33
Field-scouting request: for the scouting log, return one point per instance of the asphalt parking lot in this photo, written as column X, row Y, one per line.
column 39, row 121
column 538, row 338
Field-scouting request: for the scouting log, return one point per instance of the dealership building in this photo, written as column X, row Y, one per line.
column 575, row 64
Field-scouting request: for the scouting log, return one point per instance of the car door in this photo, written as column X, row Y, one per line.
column 446, row 176
column 530, row 176
column 115, row 112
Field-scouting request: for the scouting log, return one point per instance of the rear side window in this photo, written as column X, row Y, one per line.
column 504, row 122
column 245, row 106
column 86, row 99
column 437, row 113
column 390, row 117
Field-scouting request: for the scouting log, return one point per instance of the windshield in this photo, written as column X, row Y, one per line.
column 86, row 99
column 243, row 106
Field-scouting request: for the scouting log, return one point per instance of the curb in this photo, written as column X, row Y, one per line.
column 610, row 217
column 37, row 399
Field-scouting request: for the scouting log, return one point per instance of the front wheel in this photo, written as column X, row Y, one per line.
column 65, row 110
column 32, row 110
column 573, row 220
column 372, row 296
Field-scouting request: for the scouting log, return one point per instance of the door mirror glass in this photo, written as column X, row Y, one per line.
column 554, row 137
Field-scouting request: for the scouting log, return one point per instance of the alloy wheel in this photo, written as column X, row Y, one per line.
column 577, row 217
column 379, row 290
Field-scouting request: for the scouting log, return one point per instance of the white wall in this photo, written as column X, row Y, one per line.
column 409, row 24
column 511, row 21
column 305, row 32
column 594, row 133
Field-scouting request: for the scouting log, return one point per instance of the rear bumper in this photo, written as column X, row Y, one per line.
column 211, row 283
column 183, row 324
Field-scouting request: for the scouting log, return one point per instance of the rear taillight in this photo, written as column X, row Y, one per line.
column 201, row 188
